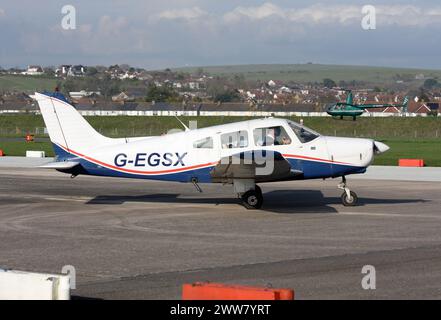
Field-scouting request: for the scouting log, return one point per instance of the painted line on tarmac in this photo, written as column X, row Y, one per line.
column 390, row 215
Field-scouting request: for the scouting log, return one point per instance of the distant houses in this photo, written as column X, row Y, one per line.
column 76, row 71
column 83, row 94
column 33, row 71
column 123, row 97
column 64, row 71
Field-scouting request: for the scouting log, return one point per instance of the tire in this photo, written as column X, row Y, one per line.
column 349, row 202
column 258, row 190
column 252, row 199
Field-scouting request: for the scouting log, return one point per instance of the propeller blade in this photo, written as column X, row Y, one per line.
column 380, row 147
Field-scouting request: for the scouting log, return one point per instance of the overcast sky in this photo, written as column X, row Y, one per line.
column 171, row 33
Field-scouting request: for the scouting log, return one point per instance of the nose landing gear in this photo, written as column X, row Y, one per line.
column 348, row 198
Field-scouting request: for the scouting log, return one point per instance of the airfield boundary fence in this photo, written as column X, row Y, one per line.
column 257, row 114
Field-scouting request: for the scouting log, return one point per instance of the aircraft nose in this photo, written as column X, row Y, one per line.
column 380, row 147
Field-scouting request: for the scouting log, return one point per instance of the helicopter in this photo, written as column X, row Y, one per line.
column 351, row 109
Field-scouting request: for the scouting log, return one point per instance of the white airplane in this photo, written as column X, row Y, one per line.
column 242, row 153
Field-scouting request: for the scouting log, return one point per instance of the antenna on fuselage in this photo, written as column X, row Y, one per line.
column 183, row 124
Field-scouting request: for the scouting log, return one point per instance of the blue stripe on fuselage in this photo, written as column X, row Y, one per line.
column 317, row 169
column 310, row 169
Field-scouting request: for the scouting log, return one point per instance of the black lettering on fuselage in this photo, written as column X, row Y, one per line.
column 180, row 159
column 140, row 159
column 152, row 160
column 120, row 160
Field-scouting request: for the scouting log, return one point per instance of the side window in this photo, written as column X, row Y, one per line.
column 238, row 139
column 271, row 136
column 206, row 143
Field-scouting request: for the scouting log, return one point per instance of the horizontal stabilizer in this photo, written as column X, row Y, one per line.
column 62, row 165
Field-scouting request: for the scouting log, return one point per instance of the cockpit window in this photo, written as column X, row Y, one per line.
column 303, row 133
column 271, row 136
column 238, row 139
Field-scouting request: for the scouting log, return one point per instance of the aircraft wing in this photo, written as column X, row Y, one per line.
column 260, row 165
column 62, row 165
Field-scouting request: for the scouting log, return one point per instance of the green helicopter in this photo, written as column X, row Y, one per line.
column 350, row 109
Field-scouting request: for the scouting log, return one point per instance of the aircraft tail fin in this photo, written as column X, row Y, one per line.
column 67, row 129
column 405, row 104
column 350, row 98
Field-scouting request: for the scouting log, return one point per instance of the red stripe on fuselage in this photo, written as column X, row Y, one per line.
column 315, row 159
column 137, row 171
column 180, row 169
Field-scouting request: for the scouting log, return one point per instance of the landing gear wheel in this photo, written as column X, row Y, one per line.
column 252, row 199
column 258, row 190
column 349, row 201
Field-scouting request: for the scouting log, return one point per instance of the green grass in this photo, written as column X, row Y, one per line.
column 26, row 83
column 19, row 148
column 429, row 150
column 125, row 126
column 313, row 72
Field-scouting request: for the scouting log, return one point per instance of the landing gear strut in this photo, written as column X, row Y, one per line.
column 253, row 199
column 348, row 198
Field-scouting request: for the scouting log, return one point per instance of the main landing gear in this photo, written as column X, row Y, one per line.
column 249, row 193
column 348, row 198
column 253, row 199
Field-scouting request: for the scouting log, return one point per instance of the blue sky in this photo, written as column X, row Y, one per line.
column 172, row 33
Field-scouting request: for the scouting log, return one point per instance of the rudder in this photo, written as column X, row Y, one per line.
column 67, row 129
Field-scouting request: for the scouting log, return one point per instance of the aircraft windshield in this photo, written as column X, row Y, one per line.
column 303, row 133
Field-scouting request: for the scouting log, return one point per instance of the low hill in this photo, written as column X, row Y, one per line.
column 303, row 73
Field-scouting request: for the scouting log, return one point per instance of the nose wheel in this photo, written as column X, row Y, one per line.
column 253, row 199
column 348, row 198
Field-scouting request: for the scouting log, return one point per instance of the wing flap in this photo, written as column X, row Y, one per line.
column 260, row 165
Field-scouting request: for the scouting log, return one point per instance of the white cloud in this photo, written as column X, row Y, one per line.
column 402, row 15
column 186, row 14
column 320, row 14
column 176, row 32
column 255, row 13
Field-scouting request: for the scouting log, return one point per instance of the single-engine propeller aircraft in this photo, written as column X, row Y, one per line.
column 351, row 109
column 242, row 154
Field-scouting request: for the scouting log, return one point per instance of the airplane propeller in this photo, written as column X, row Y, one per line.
column 380, row 147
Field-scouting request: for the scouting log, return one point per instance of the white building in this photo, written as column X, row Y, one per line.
column 83, row 94
column 33, row 71
column 76, row 71
column 193, row 85
column 62, row 70
column 271, row 83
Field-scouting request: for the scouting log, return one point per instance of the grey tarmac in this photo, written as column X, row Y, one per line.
column 138, row 239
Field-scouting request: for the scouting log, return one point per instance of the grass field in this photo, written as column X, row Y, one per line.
column 313, row 72
column 125, row 126
column 19, row 148
column 26, row 83
column 407, row 137
column 429, row 150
